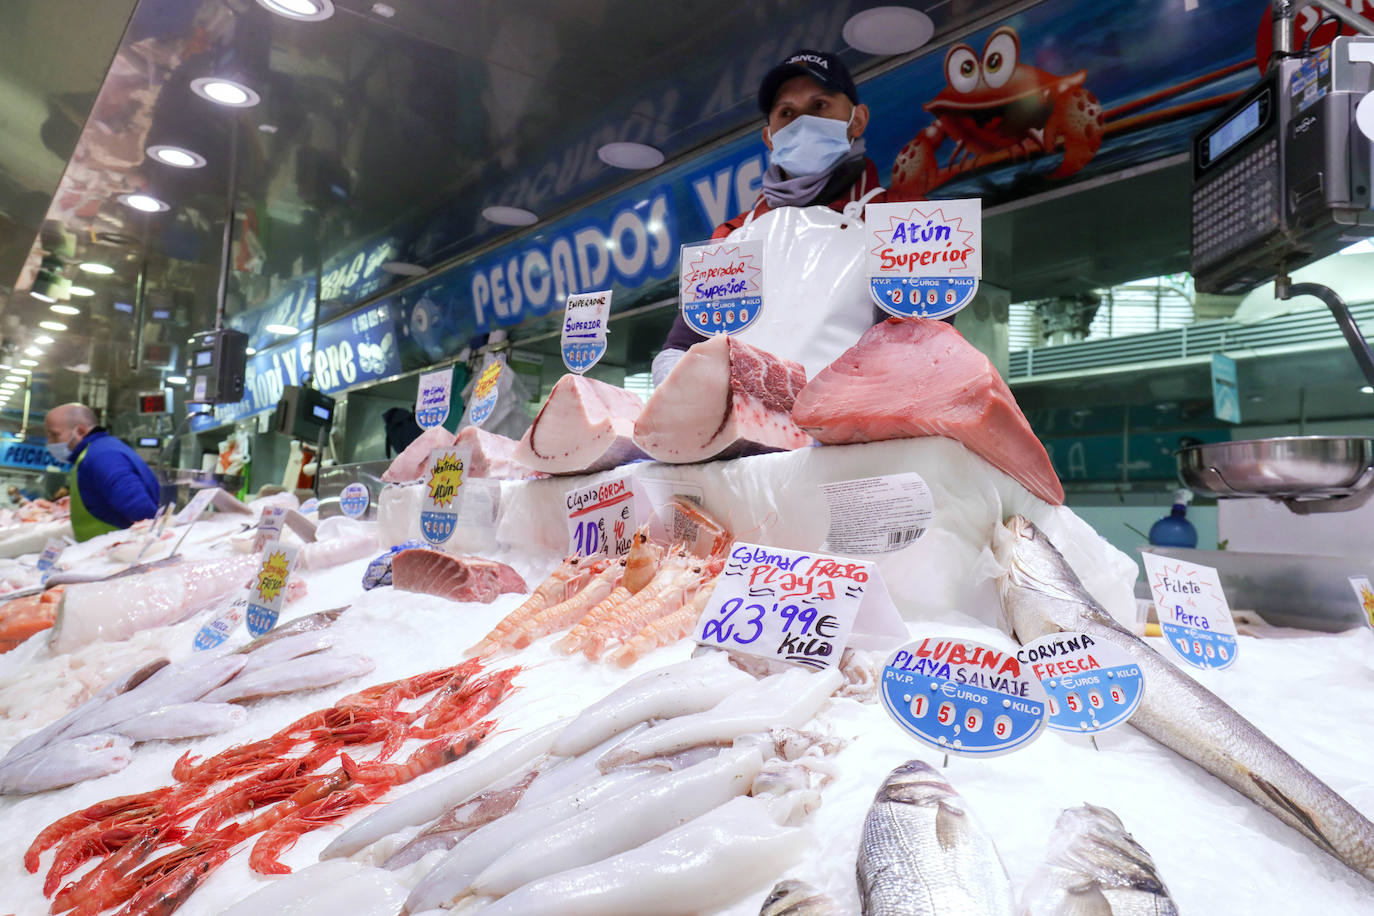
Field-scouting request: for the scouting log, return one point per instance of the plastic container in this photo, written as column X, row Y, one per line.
column 1174, row 529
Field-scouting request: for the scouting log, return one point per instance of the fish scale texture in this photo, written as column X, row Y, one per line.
column 911, row 377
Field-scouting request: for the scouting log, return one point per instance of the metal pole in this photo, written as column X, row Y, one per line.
column 319, row 299
column 28, row 400
column 227, row 242
column 1283, row 11
column 140, row 315
column 1344, row 14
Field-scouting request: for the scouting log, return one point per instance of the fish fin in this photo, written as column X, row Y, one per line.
column 1297, row 811
column 1084, row 900
column 952, row 826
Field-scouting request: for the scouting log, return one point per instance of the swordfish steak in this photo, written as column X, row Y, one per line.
column 584, row 426
column 724, row 398
column 911, row 377
column 492, row 455
column 453, row 577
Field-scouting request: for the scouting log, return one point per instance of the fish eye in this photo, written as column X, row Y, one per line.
column 961, row 68
column 999, row 58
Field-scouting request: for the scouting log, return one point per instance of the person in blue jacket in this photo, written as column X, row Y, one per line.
column 111, row 487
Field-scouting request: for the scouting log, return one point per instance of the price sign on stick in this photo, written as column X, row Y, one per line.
column 926, row 257
column 792, row 606
column 269, row 527
column 439, row 509
column 432, row 397
column 48, row 558
column 720, row 286
column 963, row 697
column 584, row 329
column 224, row 624
column 267, row 592
column 485, row 391
column 601, row 518
column 1193, row 613
column 1092, row 686
column 1364, row 594
column 354, row 500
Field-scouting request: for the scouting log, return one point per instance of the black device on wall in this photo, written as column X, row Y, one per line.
column 216, row 366
column 303, row 413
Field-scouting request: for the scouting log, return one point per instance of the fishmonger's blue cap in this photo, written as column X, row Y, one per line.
column 826, row 69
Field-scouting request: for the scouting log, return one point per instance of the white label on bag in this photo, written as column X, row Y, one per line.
column 1364, row 593
column 927, row 256
column 485, row 391
column 1193, row 614
column 432, row 397
column 585, row 319
column 876, row 515
column 267, row 592
column 269, row 527
column 601, row 518
column 720, row 286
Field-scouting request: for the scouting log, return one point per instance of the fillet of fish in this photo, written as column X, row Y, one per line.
column 584, row 426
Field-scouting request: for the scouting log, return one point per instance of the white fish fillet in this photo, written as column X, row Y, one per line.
column 66, row 762
column 339, row 540
column 675, row 690
column 178, row 683
column 631, row 819
column 326, row 887
column 454, row 874
column 696, row 868
column 117, row 609
column 584, row 426
column 412, row 463
column 182, row 720
column 786, row 700
column 318, row 670
column 288, row 647
column 115, row 686
column 432, row 801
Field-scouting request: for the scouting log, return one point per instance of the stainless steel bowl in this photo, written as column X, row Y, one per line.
column 1288, row 467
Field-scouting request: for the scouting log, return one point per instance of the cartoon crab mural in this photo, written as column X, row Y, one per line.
column 995, row 109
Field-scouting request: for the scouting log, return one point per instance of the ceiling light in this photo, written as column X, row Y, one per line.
column 280, row 329
column 510, row 216
column 176, row 380
column 1367, row 390
column 177, row 157
column 10, row 386
column 43, row 341
column 630, row 155
column 100, row 270
column 304, row 10
column 64, row 309
column 224, row 92
column 385, row 10
column 41, row 297
column 14, row 377
column 402, row 268
column 33, row 351
column 28, row 362
column 22, row 371
column 145, row 203
column 52, row 325
column 251, row 351
column 888, row 30
column 81, row 291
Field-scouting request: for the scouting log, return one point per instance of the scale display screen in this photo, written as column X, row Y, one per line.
column 1234, row 131
column 153, row 403
column 149, row 442
column 204, row 358
column 320, row 412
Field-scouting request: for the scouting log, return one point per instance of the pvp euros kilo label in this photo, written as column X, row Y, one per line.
column 963, row 697
column 1092, row 685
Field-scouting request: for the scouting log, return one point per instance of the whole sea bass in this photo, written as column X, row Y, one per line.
column 1041, row 594
column 922, row 853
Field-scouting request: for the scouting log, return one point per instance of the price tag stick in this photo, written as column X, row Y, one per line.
column 162, row 514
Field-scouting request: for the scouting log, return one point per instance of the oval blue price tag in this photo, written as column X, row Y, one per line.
column 354, row 500
column 1092, row 685
column 310, row 505
column 261, row 619
column 963, row 697
column 923, row 297
column 1201, row 648
column 581, row 356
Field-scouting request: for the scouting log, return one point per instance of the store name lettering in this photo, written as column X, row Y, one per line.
column 530, row 282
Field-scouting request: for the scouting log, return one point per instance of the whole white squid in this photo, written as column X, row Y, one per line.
column 319, row 669
column 326, row 887
column 705, row 863
column 424, row 805
column 787, row 700
column 64, row 762
column 675, row 690
column 635, row 817
column 564, row 775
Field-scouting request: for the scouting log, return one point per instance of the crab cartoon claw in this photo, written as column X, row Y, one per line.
column 1077, row 121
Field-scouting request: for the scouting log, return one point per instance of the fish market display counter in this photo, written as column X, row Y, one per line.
column 1216, row 850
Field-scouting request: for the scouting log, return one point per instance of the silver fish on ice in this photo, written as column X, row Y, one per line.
column 1041, row 595
column 797, row 898
column 923, row 854
column 1095, row 868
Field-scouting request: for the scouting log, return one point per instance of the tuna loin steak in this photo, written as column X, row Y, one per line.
column 491, row 455
column 724, row 398
column 453, row 577
column 909, row 377
column 584, row 426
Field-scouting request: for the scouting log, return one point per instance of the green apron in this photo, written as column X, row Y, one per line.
column 84, row 525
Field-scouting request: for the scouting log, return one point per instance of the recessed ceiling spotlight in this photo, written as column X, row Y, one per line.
column 25, row 372
column 176, row 156
column 304, row 10
column 402, row 268
column 888, row 30
column 41, row 297
column 65, row 309
column 28, row 362
column 1367, row 390
column 385, row 10
column 251, row 351
column 100, row 270
column 43, row 340
column 52, row 325
column 15, row 377
column 268, row 128
column 81, row 291
column 224, row 92
column 280, row 329
column 33, row 351
column 630, row 155
column 143, row 202
column 510, row 216
column 176, row 380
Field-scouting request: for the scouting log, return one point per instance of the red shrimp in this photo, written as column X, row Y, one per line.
column 98, row 841
column 231, row 762
column 430, row 757
column 167, row 894
column 282, row 835
column 64, row 827
column 460, row 715
column 253, row 794
column 155, row 871
column 88, row 893
column 320, row 787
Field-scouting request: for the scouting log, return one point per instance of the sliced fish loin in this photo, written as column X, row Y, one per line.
column 584, row 426
column 412, row 463
column 913, row 377
column 491, row 455
column 457, row 578
column 724, row 398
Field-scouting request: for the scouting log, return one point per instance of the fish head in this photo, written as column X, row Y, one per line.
column 915, row 783
column 1039, row 590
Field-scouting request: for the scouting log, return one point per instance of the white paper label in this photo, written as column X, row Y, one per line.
column 267, row 591
column 926, row 256
column 585, row 320
column 601, row 518
column 439, row 508
column 221, row 499
column 1364, row 593
column 790, row 606
column 720, row 286
column 269, row 527
column 224, row 624
column 48, row 558
column 1193, row 614
column 432, row 397
column 876, row 515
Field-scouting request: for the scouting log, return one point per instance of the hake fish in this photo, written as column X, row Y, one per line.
column 1041, row 595
column 923, row 854
column 797, row 898
column 1095, row 868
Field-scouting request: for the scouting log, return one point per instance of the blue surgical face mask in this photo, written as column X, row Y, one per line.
column 810, row 145
column 61, row 452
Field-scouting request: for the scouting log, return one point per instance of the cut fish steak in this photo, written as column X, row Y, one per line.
column 584, row 426
column 413, row 461
column 457, row 578
column 723, row 399
column 491, row 455
column 912, row 377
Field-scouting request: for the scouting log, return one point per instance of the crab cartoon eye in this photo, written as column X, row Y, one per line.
column 961, row 68
column 999, row 58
